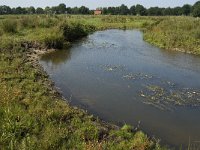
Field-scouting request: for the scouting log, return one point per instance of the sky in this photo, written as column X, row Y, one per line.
column 93, row 4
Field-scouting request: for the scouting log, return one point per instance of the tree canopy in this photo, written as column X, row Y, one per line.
column 196, row 9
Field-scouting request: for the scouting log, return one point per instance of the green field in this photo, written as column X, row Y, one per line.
column 33, row 114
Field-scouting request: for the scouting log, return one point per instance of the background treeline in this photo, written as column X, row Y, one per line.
column 187, row 10
column 60, row 9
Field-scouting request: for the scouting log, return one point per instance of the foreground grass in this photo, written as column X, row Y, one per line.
column 33, row 115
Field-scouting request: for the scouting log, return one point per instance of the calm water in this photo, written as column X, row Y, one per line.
column 110, row 73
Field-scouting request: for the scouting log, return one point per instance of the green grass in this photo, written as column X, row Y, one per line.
column 33, row 116
column 176, row 33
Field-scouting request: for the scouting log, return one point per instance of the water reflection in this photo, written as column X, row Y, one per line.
column 55, row 60
column 58, row 57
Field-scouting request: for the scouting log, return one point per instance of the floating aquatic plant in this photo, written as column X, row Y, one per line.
column 169, row 98
column 133, row 76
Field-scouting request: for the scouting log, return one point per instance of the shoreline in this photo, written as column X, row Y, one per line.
column 45, row 105
column 33, row 56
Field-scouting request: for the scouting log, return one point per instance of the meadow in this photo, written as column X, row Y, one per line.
column 34, row 115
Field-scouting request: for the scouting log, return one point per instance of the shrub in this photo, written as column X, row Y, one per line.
column 75, row 31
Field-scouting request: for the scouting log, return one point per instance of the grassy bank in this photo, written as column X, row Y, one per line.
column 48, row 30
column 176, row 33
column 33, row 114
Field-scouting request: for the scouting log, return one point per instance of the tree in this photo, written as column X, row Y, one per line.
column 123, row 10
column 154, row 11
column 84, row 10
column 39, row 10
column 75, row 10
column 132, row 10
column 177, row 11
column 197, row 3
column 111, row 10
column 69, row 10
column 31, row 10
column 47, row 10
column 20, row 10
column 167, row 11
column 55, row 10
column 140, row 10
column 13, row 10
column 62, row 8
column 105, row 11
column 196, row 9
column 186, row 9
column 5, row 10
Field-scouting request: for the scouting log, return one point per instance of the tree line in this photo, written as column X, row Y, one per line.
column 60, row 9
column 187, row 10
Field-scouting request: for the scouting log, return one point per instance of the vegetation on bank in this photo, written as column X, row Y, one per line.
column 174, row 33
column 33, row 114
column 57, row 31
column 179, row 33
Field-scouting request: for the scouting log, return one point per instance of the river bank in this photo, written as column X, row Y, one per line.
column 35, row 116
column 180, row 34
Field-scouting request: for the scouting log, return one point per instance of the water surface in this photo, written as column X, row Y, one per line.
column 122, row 79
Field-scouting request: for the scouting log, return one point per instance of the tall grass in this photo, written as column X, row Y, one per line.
column 48, row 31
column 176, row 33
column 9, row 26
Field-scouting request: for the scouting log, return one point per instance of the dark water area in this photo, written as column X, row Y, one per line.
column 122, row 79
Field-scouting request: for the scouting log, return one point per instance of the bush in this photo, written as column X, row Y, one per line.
column 75, row 31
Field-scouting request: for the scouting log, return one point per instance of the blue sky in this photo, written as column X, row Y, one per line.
column 92, row 4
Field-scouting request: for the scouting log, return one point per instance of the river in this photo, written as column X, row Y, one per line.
column 119, row 77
